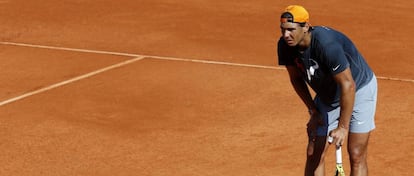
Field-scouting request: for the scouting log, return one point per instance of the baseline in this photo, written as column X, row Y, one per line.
column 172, row 58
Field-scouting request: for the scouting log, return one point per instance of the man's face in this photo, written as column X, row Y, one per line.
column 292, row 33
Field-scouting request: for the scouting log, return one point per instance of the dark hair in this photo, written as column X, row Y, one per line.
column 289, row 18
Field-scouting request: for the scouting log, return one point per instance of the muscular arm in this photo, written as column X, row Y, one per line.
column 346, row 83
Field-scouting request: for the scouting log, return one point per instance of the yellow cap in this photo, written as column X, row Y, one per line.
column 295, row 14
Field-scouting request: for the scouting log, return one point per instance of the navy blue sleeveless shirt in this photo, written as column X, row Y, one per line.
column 329, row 53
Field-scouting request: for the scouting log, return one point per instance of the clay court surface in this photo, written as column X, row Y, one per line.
column 183, row 88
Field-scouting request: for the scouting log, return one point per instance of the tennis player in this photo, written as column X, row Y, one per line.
column 345, row 87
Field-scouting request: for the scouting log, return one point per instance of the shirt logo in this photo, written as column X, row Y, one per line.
column 312, row 68
column 336, row 68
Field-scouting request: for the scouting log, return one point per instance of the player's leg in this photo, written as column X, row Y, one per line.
column 317, row 146
column 315, row 160
column 357, row 149
column 362, row 123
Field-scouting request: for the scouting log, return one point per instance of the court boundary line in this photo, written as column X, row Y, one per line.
column 137, row 55
column 171, row 58
column 77, row 78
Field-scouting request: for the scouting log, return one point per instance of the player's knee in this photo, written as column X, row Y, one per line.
column 310, row 149
column 357, row 156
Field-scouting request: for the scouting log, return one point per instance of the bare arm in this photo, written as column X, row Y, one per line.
column 300, row 87
column 347, row 85
column 303, row 91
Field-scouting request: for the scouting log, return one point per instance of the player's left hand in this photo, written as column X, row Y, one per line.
column 313, row 123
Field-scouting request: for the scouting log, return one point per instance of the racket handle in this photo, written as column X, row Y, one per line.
column 338, row 152
column 338, row 155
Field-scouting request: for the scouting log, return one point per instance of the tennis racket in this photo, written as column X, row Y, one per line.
column 339, row 167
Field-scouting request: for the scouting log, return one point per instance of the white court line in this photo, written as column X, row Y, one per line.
column 70, row 49
column 395, row 79
column 138, row 55
column 172, row 58
column 215, row 62
column 2, row 103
